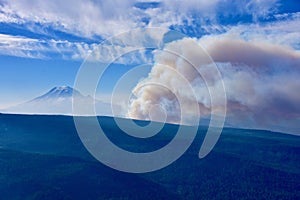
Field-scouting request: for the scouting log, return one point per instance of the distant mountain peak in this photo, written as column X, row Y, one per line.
column 59, row 100
column 59, row 92
column 65, row 87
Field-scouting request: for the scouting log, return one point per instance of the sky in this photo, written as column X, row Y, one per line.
column 255, row 45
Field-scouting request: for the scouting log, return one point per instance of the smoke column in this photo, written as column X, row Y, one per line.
column 261, row 82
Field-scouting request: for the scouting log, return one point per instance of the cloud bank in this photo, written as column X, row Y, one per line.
column 91, row 22
column 90, row 18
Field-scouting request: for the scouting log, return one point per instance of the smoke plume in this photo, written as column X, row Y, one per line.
column 261, row 82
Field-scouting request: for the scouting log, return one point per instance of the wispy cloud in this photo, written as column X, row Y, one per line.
column 21, row 46
column 285, row 31
column 78, row 17
column 102, row 19
column 126, row 48
column 107, row 18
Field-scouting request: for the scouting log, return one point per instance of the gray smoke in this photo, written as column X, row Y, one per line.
column 261, row 82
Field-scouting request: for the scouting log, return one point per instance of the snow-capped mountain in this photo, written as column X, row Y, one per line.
column 59, row 92
column 58, row 100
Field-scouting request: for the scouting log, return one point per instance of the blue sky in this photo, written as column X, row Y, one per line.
column 43, row 43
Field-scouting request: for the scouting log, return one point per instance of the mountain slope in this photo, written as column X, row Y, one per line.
column 43, row 158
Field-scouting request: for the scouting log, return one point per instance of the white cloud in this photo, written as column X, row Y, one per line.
column 21, row 46
column 88, row 18
column 127, row 48
column 261, row 8
column 78, row 17
column 105, row 18
column 284, row 32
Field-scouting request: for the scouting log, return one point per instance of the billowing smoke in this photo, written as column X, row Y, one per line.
column 176, row 83
column 261, row 81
